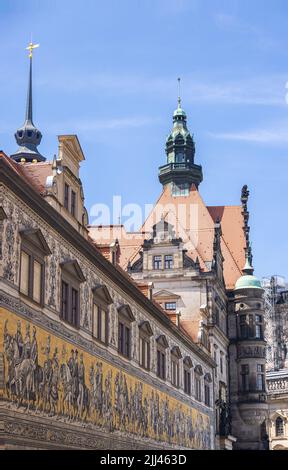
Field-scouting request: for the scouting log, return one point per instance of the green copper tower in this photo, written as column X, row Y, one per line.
column 180, row 168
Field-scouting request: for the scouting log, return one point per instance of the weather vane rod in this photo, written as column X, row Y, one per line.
column 179, row 93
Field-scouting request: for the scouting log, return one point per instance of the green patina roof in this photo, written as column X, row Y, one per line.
column 248, row 282
column 179, row 112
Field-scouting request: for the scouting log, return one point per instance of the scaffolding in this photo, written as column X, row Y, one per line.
column 273, row 287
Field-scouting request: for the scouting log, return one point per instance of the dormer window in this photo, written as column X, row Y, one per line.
column 168, row 261
column 34, row 249
column 171, row 306
column 157, row 262
column 72, row 277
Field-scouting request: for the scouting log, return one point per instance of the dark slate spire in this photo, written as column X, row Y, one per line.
column 180, row 150
column 28, row 137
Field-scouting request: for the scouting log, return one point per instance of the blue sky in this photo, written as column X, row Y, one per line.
column 107, row 71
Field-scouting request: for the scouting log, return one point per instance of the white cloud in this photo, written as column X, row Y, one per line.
column 97, row 125
column 260, row 90
column 270, row 135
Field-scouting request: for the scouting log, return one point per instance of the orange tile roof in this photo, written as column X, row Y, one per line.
column 194, row 222
column 35, row 174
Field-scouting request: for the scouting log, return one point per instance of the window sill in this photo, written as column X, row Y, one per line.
column 99, row 341
column 32, row 301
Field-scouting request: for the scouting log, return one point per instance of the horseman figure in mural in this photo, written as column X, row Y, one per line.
column 20, row 365
column 114, row 401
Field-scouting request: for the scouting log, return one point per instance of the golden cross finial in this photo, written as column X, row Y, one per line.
column 31, row 47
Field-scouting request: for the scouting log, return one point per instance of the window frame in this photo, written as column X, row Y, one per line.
column 125, row 320
column 187, row 376
column 33, row 256
column 145, row 334
column 72, row 285
column 71, row 274
column 100, row 310
column 170, row 309
column 161, row 363
column 198, row 373
column 168, row 264
column 73, row 203
column 260, row 374
column 245, row 378
column 34, row 245
column 159, row 262
column 66, row 195
column 279, row 427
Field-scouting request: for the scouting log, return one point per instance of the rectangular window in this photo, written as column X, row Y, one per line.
column 175, row 373
column 251, row 327
column 37, row 281
column 170, row 306
column 161, row 372
column 207, row 394
column 258, row 327
column 74, row 305
column 198, row 388
column 127, row 342
column 157, row 262
column 66, row 196
column 187, row 381
column 24, row 274
column 73, row 203
column 70, row 304
column 144, row 353
column 121, row 337
column 99, row 327
column 124, row 339
column 31, row 273
column 64, row 301
column 245, row 377
column 168, row 262
column 95, row 327
column 260, row 383
column 103, row 327
column 243, row 327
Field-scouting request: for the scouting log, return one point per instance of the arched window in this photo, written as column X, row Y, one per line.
column 279, row 426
